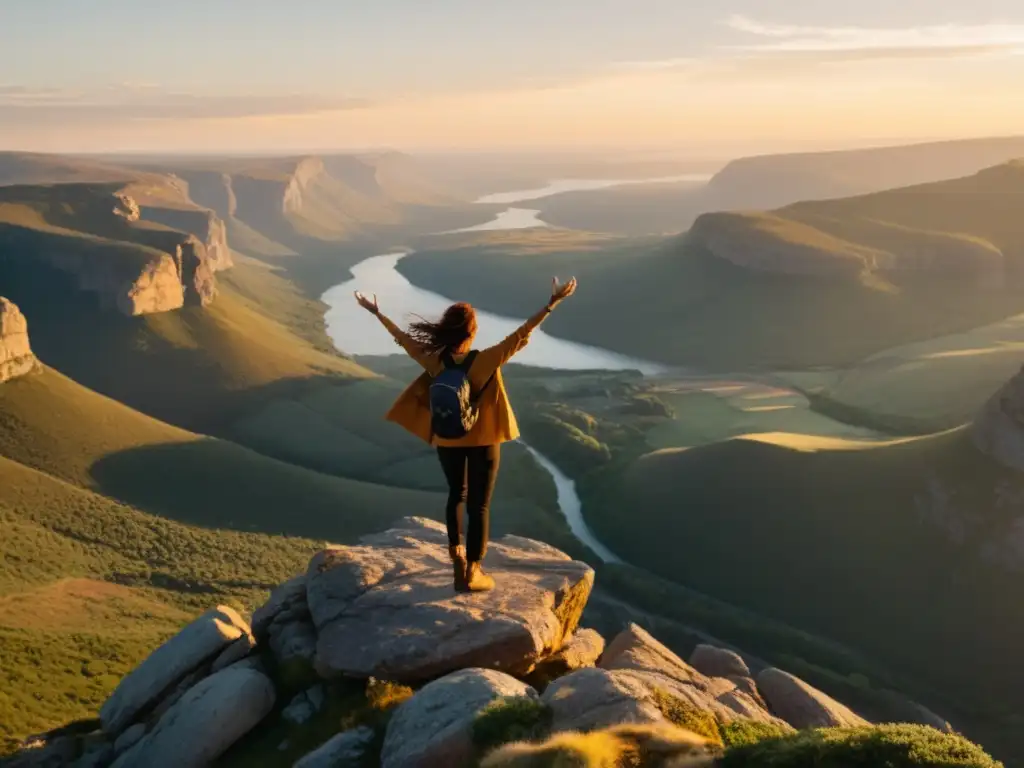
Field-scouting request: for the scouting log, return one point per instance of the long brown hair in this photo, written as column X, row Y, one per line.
column 456, row 327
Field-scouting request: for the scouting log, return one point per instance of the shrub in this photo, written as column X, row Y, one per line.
column 687, row 716
column 892, row 746
column 515, row 718
column 740, row 733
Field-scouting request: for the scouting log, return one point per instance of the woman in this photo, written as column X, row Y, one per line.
column 470, row 463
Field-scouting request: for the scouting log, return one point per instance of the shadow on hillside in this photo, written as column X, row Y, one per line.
column 216, row 484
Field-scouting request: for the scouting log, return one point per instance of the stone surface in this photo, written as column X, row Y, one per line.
column 283, row 597
column 98, row 754
column 800, row 704
column 129, row 738
column 16, row 358
column 583, row 650
column 199, row 642
column 235, row 652
column 718, row 662
column 433, row 729
column 344, row 749
column 387, row 608
column 635, row 648
column 293, row 641
column 599, row 698
column 205, row 722
column 306, row 704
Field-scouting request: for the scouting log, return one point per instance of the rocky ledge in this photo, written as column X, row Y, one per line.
column 16, row 358
column 445, row 679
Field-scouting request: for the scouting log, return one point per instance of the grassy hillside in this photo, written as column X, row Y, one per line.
column 883, row 271
column 822, row 532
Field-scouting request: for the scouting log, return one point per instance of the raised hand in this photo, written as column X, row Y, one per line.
column 561, row 291
column 367, row 304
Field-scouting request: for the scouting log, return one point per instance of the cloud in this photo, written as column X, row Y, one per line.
column 858, row 43
column 147, row 101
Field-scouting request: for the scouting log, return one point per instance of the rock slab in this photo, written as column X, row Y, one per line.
column 802, row 705
column 200, row 641
column 346, row 748
column 205, row 722
column 433, row 729
column 387, row 608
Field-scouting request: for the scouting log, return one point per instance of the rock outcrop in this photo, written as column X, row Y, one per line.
column 204, row 225
column 433, row 729
column 200, row 642
column 205, row 722
column 636, row 677
column 387, row 609
column 802, row 705
column 16, row 358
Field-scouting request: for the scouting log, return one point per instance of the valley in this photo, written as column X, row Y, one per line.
column 757, row 432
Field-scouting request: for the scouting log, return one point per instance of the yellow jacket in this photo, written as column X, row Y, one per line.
column 496, row 422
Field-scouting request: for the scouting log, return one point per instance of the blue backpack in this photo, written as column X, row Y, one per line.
column 453, row 408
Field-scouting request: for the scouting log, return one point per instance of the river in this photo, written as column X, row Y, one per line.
column 357, row 332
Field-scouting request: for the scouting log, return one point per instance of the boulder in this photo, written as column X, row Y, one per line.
column 387, row 608
column 599, row 698
column 199, row 642
column 801, row 705
column 346, row 748
column 718, row 662
column 293, row 641
column 283, row 599
column 583, row 650
column 205, row 722
column 433, row 729
column 16, row 358
column 635, row 648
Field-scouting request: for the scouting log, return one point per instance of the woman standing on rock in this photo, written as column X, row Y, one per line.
column 459, row 404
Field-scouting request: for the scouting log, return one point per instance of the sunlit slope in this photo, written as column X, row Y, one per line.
column 825, row 283
column 195, row 366
column 769, row 181
column 50, row 423
column 935, row 384
column 887, row 546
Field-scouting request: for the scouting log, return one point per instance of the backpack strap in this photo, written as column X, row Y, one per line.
column 466, row 365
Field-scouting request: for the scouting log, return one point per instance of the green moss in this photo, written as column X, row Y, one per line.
column 515, row 718
column 891, row 746
column 687, row 716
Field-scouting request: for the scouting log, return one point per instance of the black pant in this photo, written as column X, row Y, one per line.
column 470, row 473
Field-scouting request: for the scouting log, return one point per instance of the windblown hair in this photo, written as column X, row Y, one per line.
column 456, row 326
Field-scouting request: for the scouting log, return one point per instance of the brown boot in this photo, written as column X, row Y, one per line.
column 477, row 580
column 458, row 555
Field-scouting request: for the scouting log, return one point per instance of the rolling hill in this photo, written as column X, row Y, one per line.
column 814, row 284
column 922, row 535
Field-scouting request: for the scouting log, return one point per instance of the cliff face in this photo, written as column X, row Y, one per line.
column 112, row 246
column 16, row 358
column 207, row 226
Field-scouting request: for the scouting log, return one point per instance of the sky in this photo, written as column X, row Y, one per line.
column 731, row 76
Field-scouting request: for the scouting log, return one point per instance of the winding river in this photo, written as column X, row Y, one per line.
column 358, row 333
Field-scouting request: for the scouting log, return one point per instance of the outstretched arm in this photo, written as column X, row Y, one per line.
column 402, row 339
column 496, row 356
